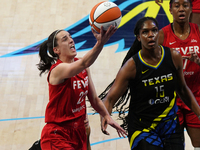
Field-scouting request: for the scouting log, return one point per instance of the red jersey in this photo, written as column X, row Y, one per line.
column 67, row 100
column 191, row 70
column 196, row 6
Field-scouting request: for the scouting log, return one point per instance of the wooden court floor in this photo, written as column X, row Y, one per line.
column 23, row 93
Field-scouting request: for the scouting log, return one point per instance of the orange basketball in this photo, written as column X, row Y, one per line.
column 105, row 14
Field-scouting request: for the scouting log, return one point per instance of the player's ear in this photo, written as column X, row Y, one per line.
column 170, row 10
column 56, row 50
column 138, row 38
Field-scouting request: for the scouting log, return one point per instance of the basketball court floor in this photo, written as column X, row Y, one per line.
column 23, row 93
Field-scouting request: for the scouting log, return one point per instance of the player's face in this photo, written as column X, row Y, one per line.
column 181, row 10
column 148, row 35
column 66, row 45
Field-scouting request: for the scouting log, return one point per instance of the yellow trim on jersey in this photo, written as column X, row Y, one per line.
column 155, row 121
column 158, row 62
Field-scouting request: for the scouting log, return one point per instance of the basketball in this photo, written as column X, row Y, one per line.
column 104, row 14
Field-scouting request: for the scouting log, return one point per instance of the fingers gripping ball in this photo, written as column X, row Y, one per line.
column 105, row 14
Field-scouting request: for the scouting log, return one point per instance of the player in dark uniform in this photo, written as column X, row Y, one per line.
column 153, row 74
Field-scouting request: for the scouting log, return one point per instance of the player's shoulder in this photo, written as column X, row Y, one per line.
column 175, row 52
column 167, row 27
column 196, row 26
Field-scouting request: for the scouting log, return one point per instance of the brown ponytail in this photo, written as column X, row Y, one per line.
column 46, row 53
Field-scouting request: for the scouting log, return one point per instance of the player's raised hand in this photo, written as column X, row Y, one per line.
column 104, row 36
column 159, row 2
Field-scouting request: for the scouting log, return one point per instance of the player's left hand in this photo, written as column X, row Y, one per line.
column 108, row 120
column 192, row 56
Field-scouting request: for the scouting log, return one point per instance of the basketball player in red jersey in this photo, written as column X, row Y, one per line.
column 70, row 83
column 195, row 15
column 185, row 38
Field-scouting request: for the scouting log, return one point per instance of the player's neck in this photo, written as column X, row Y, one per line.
column 181, row 30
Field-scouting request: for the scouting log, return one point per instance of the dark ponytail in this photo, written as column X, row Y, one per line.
column 46, row 53
column 121, row 105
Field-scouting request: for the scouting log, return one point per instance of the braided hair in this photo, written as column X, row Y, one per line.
column 46, row 53
column 121, row 105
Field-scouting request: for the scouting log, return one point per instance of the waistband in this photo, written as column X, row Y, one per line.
column 75, row 123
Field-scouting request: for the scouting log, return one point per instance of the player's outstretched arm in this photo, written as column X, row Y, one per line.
column 98, row 105
column 127, row 72
column 183, row 90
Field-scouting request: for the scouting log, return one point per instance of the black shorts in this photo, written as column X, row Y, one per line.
column 175, row 142
column 166, row 135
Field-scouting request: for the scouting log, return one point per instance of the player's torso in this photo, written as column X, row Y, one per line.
column 76, row 91
column 191, row 44
column 153, row 90
column 67, row 100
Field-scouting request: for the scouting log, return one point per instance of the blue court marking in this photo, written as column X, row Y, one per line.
column 92, row 144
column 39, row 117
column 13, row 119
column 104, row 141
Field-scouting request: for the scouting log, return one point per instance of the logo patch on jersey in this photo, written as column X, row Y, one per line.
column 193, row 40
column 188, row 73
column 143, row 72
column 170, row 43
column 159, row 101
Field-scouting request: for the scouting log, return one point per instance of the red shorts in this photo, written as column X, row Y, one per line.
column 67, row 135
column 196, row 6
column 188, row 117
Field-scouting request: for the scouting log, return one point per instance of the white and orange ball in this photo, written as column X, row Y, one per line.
column 105, row 14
